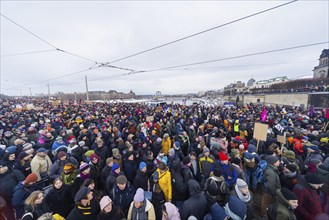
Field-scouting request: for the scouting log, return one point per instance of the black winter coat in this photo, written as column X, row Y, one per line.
column 179, row 188
column 8, row 181
column 60, row 200
column 141, row 180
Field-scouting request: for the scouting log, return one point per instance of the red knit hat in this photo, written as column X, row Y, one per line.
column 222, row 156
column 31, row 178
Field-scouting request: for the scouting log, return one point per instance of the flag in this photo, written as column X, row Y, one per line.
column 264, row 115
column 326, row 114
column 311, row 111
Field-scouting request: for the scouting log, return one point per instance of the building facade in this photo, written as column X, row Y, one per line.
column 322, row 70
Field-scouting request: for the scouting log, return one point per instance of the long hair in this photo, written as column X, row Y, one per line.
column 32, row 198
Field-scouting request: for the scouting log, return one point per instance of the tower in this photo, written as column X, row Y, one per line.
column 322, row 70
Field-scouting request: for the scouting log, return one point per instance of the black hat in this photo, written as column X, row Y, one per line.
column 313, row 179
column 288, row 195
column 82, row 193
column 186, row 160
column 271, row 159
column 236, row 160
column 217, row 172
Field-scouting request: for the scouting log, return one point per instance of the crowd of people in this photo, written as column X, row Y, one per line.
column 86, row 161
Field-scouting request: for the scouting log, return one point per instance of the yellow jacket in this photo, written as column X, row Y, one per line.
column 166, row 145
column 165, row 183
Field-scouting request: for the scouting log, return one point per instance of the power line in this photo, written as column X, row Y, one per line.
column 216, row 60
column 25, row 53
column 204, row 31
column 43, row 40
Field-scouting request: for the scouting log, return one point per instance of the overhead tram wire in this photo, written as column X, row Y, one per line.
column 216, row 60
column 202, row 32
column 26, row 53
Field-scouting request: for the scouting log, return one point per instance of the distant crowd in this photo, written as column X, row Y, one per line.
column 87, row 161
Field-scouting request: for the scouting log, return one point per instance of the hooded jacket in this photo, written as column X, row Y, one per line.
column 165, row 183
column 196, row 205
column 284, row 211
column 149, row 209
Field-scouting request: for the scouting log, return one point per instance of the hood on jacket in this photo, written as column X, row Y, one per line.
column 194, row 187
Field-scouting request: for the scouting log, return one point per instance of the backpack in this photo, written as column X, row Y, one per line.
column 249, row 160
column 260, row 178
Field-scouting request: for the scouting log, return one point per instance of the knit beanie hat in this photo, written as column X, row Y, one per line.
column 236, row 160
column 68, row 166
column 83, row 166
column 171, row 151
column 61, row 154
column 251, row 148
column 288, row 195
column 237, row 206
column 93, row 156
column 142, row 165
column 241, row 183
column 121, row 179
column 271, row 159
column 105, row 201
column 139, row 196
column 222, row 156
column 289, row 154
column 186, row 160
column 115, row 167
column 313, row 179
column 32, row 177
column 205, row 149
column 177, row 144
column 21, row 155
column 115, row 151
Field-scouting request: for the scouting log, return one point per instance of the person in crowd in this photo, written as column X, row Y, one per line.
column 142, row 178
column 109, row 210
column 206, row 162
column 309, row 205
column 196, row 204
column 85, row 208
column 36, row 205
column 241, row 190
column 106, row 170
column 58, row 166
column 285, row 206
column 122, row 193
column 141, row 208
column 9, row 178
column 59, row 198
column 271, row 175
column 23, row 163
column 111, row 179
column 22, row 191
column 41, row 164
column 323, row 173
column 170, row 212
column 164, row 180
column 235, row 208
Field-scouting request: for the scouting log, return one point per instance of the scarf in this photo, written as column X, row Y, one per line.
column 85, row 210
column 231, row 214
column 140, row 213
column 84, row 176
column 244, row 198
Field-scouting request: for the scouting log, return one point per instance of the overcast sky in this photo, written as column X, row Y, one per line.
column 104, row 31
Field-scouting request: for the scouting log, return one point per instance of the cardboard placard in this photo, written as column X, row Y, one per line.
column 17, row 110
column 55, row 103
column 66, row 102
column 30, row 106
column 281, row 139
column 88, row 102
column 260, row 131
column 149, row 118
column 6, row 104
column 38, row 108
